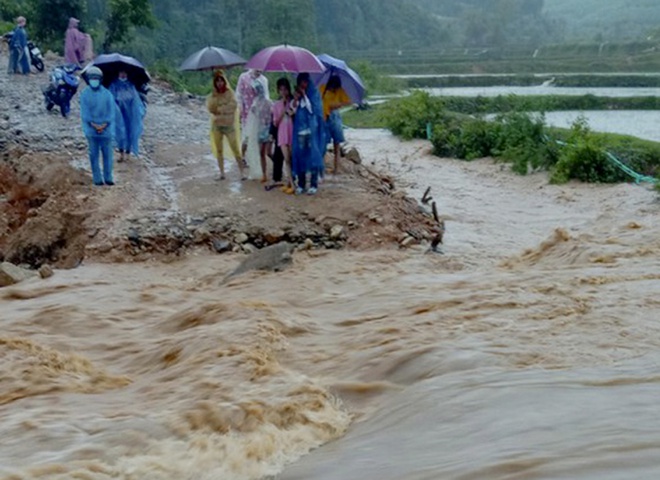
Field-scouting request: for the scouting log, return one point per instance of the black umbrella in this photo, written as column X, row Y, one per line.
column 113, row 63
column 210, row 58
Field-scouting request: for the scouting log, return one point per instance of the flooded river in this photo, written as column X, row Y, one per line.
column 529, row 350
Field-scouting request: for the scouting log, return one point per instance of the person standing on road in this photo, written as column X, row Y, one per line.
column 98, row 114
column 245, row 95
column 19, row 57
column 129, row 122
column 77, row 45
column 334, row 98
column 308, row 135
column 221, row 104
column 283, row 112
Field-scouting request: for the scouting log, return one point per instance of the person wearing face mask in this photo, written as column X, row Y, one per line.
column 97, row 112
column 128, row 128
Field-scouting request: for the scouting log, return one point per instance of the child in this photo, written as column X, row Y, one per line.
column 283, row 120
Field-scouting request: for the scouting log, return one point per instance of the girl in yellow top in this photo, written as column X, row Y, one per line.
column 221, row 104
column 334, row 97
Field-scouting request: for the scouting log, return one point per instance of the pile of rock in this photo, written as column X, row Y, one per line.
column 11, row 274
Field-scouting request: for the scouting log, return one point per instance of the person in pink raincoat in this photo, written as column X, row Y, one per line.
column 77, row 45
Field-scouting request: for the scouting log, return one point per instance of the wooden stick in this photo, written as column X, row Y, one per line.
column 426, row 198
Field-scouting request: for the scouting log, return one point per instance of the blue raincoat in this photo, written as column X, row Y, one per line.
column 306, row 158
column 128, row 128
column 19, row 60
column 97, row 106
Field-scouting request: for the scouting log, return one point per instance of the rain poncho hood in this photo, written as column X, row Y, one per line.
column 97, row 106
column 309, row 116
column 128, row 128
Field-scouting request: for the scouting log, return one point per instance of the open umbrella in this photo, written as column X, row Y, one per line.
column 113, row 63
column 350, row 80
column 286, row 58
column 210, row 58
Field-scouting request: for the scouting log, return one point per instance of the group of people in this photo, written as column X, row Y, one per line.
column 78, row 47
column 111, row 118
column 293, row 131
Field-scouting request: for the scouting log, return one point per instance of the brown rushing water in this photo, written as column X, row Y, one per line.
column 529, row 350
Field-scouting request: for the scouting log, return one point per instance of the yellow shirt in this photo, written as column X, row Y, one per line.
column 332, row 97
column 222, row 106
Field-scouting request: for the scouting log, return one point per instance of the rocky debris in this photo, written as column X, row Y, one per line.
column 221, row 246
column 354, row 156
column 10, row 274
column 274, row 258
column 46, row 271
column 337, row 232
column 407, row 241
column 241, row 238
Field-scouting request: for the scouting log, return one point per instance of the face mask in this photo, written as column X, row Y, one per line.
column 94, row 83
column 123, row 79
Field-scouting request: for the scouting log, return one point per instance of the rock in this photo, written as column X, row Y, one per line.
column 407, row 241
column 337, row 232
column 374, row 217
column 241, row 238
column 273, row 236
column 249, row 248
column 309, row 244
column 46, row 271
column 274, row 258
column 10, row 274
column 221, row 246
column 354, row 156
column 201, row 235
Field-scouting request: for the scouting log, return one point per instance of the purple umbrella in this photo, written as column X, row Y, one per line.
column 350, row 80
column 286, row 58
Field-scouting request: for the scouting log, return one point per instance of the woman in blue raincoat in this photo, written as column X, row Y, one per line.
column 308, row 135
column 128, row 128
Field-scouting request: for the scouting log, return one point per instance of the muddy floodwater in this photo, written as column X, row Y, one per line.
column 528, row 350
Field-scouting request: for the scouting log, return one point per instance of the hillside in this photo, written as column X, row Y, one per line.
column 610, row 20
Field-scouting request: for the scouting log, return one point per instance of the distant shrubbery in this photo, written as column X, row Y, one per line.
column 521, row 139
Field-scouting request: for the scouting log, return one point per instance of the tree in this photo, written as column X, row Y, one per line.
column 123, row 17
column 50, row 18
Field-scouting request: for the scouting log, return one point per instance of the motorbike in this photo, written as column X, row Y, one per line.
column 36, row 57
column 62, row 87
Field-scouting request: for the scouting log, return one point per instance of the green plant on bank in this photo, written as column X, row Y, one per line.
column 523, row 140
column 583, row 158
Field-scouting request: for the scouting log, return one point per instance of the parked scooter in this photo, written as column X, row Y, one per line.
column 36, row 57
column 63, row 86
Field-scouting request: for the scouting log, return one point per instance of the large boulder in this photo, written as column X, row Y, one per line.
column 10, row 274
column 274, row 259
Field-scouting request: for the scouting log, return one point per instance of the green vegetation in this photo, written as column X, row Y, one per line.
column 522, row 140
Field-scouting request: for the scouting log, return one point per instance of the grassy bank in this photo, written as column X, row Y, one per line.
column 515, row 137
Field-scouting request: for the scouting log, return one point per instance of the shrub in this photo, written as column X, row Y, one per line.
column 584, row 159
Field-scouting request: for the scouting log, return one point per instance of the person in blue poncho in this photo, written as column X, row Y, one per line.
column 98, row 113
column 19, row 58
column 308, row 135
column 128, row 128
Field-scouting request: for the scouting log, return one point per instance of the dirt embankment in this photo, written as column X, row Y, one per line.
column 167, row 202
